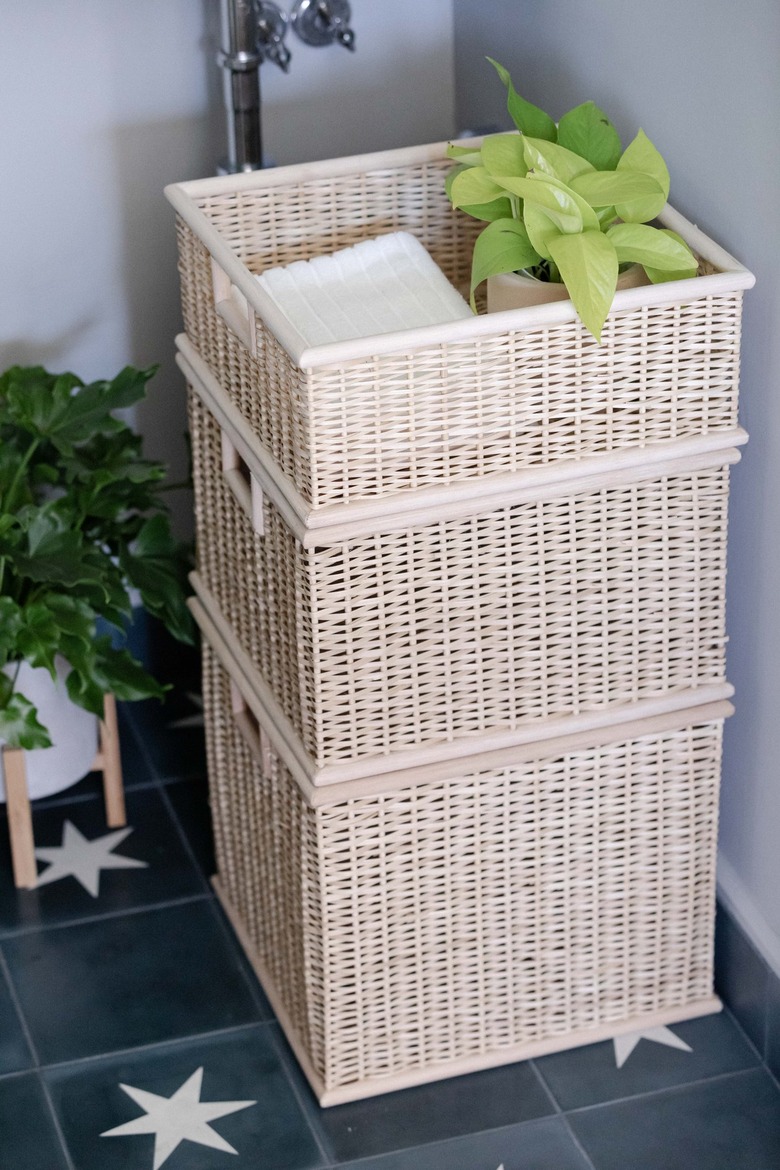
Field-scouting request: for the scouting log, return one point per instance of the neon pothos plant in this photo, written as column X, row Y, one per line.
column 566, row 203
column 82, row 523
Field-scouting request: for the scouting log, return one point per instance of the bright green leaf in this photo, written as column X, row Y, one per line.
column 551, row 194
column 661, row 276
column 630, row 192
column 474, row 185
column 553, row 159
column 640, row 155
column 541, row 228
column 638, row 243
column 496, row 209
column 502, row 247
column 586, row 130
column 528, row 118
column 588, row 266
column 468, row 156
column 503, row 154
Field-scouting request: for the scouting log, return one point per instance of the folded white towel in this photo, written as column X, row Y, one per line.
column 377, row 286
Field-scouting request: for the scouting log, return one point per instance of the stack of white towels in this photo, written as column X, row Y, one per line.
column 382, row 285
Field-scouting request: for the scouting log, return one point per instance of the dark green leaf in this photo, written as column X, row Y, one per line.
column 19, row 726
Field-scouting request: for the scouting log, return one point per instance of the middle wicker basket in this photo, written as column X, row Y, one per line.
column 394, row 639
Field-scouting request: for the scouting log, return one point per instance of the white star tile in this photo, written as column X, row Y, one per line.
column 625, row 1045
column 83, row 859
column 182, row 1117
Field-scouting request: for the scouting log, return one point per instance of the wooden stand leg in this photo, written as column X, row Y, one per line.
column 113, row 788
column 19, row 819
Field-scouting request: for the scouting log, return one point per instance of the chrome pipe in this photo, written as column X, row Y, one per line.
column 241, row 60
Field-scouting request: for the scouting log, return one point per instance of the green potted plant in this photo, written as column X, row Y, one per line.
column 567, row 208
column 83, row 528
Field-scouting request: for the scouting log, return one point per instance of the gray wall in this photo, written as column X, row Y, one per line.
column 702, row 79
column 103, row 102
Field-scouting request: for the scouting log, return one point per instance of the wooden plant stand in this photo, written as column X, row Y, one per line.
column 107, row 761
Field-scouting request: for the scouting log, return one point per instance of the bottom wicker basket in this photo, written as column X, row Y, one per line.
column 418, row 931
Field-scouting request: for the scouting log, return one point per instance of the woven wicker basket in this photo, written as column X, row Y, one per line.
column 415, row 926
column 452, row 404
column 396, row 642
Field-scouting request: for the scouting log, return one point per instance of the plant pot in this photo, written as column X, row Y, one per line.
column 73, row 732
column 517, row 290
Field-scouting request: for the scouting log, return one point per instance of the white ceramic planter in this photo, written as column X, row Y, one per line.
column 73, row 732
column 516, row 290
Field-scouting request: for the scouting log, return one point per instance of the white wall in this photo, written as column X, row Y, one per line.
column 103, row 102
column 701, row 78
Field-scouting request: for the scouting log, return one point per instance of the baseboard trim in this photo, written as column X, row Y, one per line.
column 737, row 902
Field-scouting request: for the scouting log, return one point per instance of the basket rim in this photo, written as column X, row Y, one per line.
column 410, row 767
column 731, row 275
column 315, row 525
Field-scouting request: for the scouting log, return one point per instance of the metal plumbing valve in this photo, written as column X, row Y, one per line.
column 271, row 31
column 321, row 22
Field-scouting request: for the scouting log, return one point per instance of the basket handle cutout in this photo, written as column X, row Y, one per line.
column 243, row 485
column 254, row 736
column 231, row 306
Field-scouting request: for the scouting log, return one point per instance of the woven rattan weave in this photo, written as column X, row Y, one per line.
column 455, row 629
column 462, row 923
column 448, row 404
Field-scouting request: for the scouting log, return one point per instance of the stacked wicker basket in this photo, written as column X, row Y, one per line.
column 462, row 592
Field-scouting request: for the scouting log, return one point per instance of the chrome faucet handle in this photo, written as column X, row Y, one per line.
column 272, row 26
column 321, row 22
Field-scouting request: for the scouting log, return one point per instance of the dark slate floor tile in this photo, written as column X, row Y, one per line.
column 741, row 978
column 168, row 871
column 430, row 1113
column 270, row 1134
column 718, row 1125
column 171, row 733
column 773, row 1025
column 127, row 981
column 264, row 1008
column 190, row 801
column 28, row 1140
column 536, row 1145
column 589, row 1076
column 14, row 1050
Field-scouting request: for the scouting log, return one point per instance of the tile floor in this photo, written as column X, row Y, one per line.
column 133, row 1034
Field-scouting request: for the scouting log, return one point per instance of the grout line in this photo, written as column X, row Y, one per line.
column 308, row 1111
column 107, row 916
column 76, row 1062
column 6, row 971
column 588, row 1161
column 750, row 1043
column 66, row 798
column 545, row 1087
column 742, row 1072
column 251, row 980
column 56, row 1122
column 19, row 1072
column 184, row 839
column 36, row 1070
column 559, row 1113
column 140, row 743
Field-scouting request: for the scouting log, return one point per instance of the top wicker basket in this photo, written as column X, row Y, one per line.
column 359, row 421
